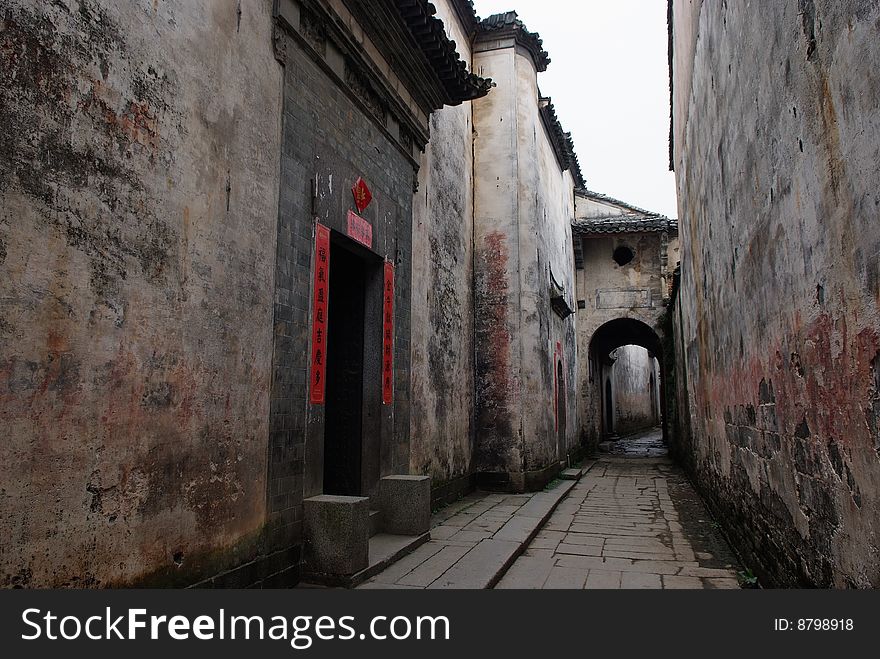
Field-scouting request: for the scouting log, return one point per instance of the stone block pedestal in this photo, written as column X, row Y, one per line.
column 337, row 534
column 405, row 502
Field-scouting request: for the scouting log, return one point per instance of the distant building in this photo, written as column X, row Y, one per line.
column 624, row 258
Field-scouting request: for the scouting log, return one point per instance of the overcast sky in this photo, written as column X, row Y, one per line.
column 609, row 81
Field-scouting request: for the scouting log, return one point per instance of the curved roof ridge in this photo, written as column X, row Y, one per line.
column 468, row 15
column 509, row 22
column 563, row 143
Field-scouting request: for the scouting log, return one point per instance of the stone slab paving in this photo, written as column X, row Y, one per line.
column 630, row 523
column 474, row 541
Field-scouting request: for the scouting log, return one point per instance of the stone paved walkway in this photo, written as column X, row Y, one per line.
column 473, row 541
column 642, row 445
column 630, row 522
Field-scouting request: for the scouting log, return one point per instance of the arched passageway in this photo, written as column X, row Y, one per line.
column 626, row 374
column 623, row 332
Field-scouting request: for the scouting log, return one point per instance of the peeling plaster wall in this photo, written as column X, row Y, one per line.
column 546, row 209
column 496, row 275
column 442, row 432
column 138, row 213
column 636, row 399
column 524, row 207
column 777, row 144
column 686, row 30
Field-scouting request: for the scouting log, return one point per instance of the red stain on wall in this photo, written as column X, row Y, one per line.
column 494, row 380
column 820, row 374
column 496, row 294
column 134, row 120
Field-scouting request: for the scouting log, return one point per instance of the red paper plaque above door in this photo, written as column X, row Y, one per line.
column 360, row 230
column 362, row 195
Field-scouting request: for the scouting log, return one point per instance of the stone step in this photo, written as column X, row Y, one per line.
column 575, row 473
column 385, row 550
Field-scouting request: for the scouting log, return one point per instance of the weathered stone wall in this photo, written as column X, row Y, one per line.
column 678, row 402
column 442, row 299
column 497, row 266
column 138, row 213
column 524, row 206
column 635, row 382
column 546, row 209
column 777, row 142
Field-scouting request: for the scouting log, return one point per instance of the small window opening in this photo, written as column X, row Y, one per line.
column 623, row 255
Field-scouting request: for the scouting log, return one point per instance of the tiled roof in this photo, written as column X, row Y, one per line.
column 630, row 223
column 635, row 220
column 562, row 143
column 442, row 54
column 467, row 14
column 509, row 22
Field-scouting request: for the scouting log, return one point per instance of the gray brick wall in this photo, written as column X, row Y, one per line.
column 328, row 142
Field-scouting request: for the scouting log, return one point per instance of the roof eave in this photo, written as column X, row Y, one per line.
column 457, row 83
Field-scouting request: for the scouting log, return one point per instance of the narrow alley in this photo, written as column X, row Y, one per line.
column 324, row 293
column 632, row 521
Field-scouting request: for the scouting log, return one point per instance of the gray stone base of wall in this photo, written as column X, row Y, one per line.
column 517, row 481
column 452, row 491
column 280, row 569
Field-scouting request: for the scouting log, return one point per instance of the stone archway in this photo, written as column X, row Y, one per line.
column 607, row 339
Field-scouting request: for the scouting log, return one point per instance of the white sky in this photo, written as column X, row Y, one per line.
column 609, row 81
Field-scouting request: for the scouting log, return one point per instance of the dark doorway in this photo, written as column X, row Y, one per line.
column 561, row 418
column 609, row 408
column 343, row 430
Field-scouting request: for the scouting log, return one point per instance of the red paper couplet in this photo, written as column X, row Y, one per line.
column 319, row 315
column 388, row 337
column 360, row 230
